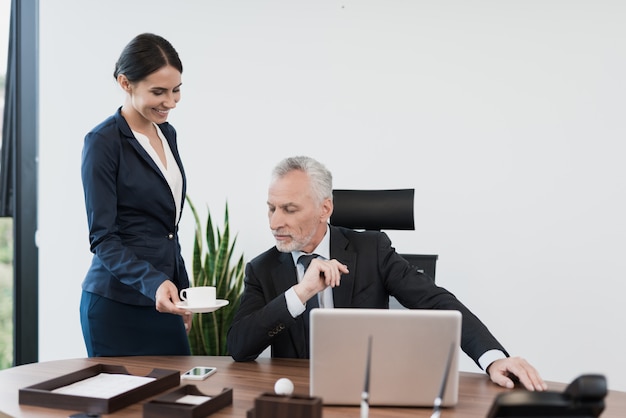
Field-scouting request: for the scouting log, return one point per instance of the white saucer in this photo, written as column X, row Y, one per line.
column 220, row 303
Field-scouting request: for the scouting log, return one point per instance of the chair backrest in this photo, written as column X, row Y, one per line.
column 374, row 209
column 378, row 210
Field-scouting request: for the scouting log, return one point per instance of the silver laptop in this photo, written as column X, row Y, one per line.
column 410, row 352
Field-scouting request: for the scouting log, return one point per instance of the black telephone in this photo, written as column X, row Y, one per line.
column 583, row 398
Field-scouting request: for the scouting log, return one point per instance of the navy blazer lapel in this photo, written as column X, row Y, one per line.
column 130, row 137
column 342, row 295
column 144, row 154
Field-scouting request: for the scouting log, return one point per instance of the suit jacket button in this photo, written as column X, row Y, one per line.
column 170, row 236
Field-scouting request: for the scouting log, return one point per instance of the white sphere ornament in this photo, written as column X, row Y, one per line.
column 283, row 386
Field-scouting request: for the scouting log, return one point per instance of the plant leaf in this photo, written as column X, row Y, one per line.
column 213, row 266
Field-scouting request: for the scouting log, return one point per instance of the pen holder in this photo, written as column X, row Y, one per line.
column 269, row 405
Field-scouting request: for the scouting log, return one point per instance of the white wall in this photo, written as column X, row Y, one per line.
column 507, row 117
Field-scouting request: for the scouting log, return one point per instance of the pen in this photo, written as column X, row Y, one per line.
column 442, row 389
column 365, row 396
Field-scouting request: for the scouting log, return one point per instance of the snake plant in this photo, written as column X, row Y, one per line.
column 213, row 265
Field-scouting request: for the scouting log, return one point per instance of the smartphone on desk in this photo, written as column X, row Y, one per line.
column 199, row 373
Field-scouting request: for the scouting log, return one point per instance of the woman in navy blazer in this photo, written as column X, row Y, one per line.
column 134, row 186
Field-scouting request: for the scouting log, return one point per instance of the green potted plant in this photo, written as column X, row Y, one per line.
column 213, row 266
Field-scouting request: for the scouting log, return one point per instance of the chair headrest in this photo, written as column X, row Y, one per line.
column 373, row 209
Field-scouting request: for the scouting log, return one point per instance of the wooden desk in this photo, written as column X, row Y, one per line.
column 249, row 380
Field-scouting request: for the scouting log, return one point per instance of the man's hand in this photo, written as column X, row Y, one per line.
column 166, row 300
column 503, row 371
column 319, row 275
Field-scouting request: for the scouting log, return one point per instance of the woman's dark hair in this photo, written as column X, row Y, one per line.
column 145, row 54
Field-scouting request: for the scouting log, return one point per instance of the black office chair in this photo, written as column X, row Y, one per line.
column 378, row 210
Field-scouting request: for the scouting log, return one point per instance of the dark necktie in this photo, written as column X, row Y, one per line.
column 305, row 260
column 312, row 303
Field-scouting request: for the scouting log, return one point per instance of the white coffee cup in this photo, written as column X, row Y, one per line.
column 199, row 296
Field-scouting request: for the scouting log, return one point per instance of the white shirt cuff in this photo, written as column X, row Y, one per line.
column 489, row 357
column 294, row 305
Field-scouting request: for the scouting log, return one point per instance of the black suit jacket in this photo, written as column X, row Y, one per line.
column 376, row 271
column 132, row 217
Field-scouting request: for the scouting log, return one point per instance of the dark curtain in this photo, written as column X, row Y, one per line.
column 9, row 133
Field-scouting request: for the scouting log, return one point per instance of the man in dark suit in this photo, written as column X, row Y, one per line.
column 349, row 269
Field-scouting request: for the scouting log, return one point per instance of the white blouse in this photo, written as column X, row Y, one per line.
column 171, row 173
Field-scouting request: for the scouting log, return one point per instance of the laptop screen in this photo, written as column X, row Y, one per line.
column 410, row 350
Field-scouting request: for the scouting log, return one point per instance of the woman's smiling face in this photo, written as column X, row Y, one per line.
column 154, row 96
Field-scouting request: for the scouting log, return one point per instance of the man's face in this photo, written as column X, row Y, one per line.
column 297, row 221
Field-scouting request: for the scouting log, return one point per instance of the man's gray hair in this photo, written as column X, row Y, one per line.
column 321, row 178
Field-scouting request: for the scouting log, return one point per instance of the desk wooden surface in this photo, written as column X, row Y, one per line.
column 249, row 380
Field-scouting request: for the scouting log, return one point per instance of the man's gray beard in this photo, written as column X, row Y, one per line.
column 287, row 248
column 294, row 245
